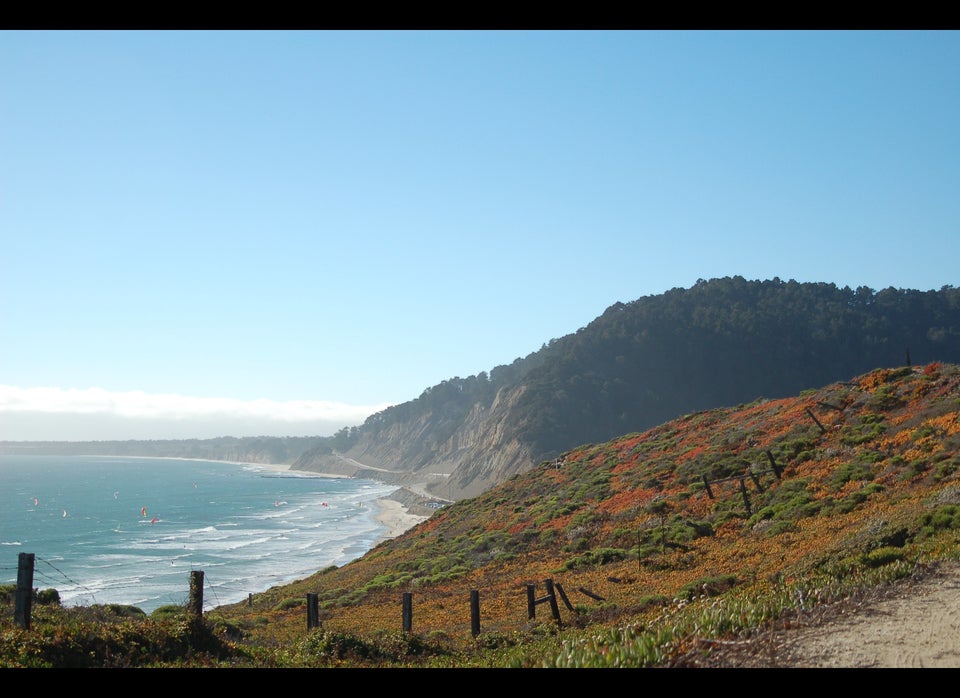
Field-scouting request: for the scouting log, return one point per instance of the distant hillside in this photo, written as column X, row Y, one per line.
column 720, row 343
column 252, row 449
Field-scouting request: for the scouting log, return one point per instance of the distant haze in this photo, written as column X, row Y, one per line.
column 54, row 414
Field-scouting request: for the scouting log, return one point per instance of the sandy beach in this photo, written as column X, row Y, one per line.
column 395, row 517
column 390, row 513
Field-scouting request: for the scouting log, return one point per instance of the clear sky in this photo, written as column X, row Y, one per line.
column 241, row 233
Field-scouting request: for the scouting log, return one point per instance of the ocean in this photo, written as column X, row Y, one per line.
column 119, row 530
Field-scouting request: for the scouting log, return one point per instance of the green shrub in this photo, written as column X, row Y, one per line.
column 943, row 518
column 882, row 556
column 336, row 645
column 595, row 558
column 287, row 604
column 169, row 611
column 49, row 597
column 707, row 586
column 859, row 469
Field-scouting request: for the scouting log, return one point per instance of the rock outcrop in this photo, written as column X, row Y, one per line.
column 445, row 460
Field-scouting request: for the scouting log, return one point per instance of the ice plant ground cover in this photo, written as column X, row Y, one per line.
column 715, row 526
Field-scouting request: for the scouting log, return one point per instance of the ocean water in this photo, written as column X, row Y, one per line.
column 132, row 530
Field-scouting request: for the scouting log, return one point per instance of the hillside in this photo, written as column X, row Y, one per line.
column 668, row 547
column 807, row 493
column 639, row 364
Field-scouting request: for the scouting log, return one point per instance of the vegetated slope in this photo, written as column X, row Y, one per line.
column 639, row 364
column 721, row 342
column 856, row 475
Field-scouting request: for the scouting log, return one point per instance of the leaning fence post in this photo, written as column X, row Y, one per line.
column 407, row 611
column 746, row 497
column 563, row 596
column 773, row 464
column 813, row 417
column 554, row 608
column 23, row 599
column 706, row 484
column 474, row 612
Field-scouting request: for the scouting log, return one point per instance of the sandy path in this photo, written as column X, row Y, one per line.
column 913, row 623
column 916, row 624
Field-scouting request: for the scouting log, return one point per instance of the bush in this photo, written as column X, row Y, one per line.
column 594, row 558
column 882, row 556
column 287, row 604
column 47, row 597
column 707, row 586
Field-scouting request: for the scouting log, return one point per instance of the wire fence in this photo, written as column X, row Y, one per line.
column 47, row 575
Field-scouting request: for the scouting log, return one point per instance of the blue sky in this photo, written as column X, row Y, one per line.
column 209, row 233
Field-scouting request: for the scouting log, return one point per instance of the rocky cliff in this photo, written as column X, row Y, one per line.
column 443, row 457
column 722, row 342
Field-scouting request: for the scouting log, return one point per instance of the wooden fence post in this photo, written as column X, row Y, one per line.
column 531, row 602
column 313, row 613
column 746, row 497
column 196, row 593
column 813, row 417
column 590, row 594
column 474, row 612
column 563, row 596
column 773, row 464
column 195, row 608
column 707, row 485
column 407, row 611
column 23, row 600
column 554, row 608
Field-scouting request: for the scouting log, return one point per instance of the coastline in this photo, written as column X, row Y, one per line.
column 393, row 515
column 390, row 513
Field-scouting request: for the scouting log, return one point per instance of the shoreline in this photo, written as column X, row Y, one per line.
column 389, row 513
column 395, row 517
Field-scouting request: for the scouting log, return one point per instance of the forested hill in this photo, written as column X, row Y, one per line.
column 719, row 343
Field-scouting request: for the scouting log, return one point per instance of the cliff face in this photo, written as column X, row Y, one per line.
column 720, row 343
column 723, row 342
column 447, row 459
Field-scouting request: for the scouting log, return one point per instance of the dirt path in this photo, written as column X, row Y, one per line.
column 912, row 624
